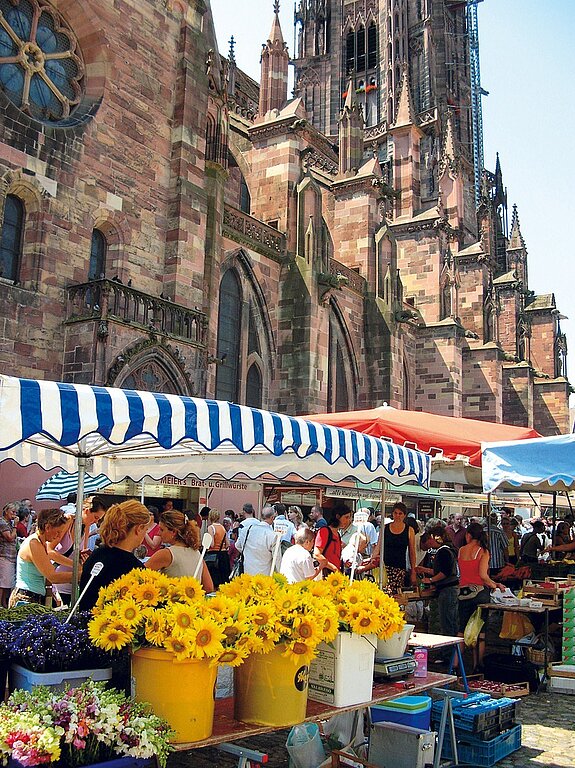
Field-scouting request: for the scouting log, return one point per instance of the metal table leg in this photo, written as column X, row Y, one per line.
column 457, row 650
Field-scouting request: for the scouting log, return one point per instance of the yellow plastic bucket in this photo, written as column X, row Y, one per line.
column 270, row 690
column 182, row 692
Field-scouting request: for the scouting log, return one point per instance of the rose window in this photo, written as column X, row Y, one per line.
column 41, row 69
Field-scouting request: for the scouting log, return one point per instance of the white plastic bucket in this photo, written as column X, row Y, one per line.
column 394, row 648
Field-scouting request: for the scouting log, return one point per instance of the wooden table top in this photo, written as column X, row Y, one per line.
column 228, row 729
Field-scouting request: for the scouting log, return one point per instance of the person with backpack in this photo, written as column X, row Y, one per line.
column 327, row 548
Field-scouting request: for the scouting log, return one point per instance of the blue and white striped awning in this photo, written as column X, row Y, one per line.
column 62, row 483
column 124, row 433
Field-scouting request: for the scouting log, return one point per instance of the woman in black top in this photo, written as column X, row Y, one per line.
column 398, row 541
column 122, row 530
column 445, row 580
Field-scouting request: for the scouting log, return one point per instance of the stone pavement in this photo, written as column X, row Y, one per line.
column 548, row 739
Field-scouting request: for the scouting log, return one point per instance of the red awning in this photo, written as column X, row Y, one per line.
column 428, row 432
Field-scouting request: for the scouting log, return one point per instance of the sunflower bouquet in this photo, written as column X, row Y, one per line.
column 289, row 615
column 362, row 607
column 149, row 609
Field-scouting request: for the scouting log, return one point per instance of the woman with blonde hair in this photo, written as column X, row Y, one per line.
column 33, row 566
column 296, row 517
column 121, row 531
column 181, row 555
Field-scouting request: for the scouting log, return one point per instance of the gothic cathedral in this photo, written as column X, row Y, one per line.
column 170, row 224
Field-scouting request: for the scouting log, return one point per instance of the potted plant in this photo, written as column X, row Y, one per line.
column 85, row 726
column 343, row 673
column 177, row 637
column 45, row 650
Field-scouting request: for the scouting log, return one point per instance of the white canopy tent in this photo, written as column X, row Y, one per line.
column 124, row 433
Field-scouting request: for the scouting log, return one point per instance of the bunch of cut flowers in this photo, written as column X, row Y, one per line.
column 147, row 608
column 45, row 643
column 79, row 726
column 292, row 616
column 362, row 607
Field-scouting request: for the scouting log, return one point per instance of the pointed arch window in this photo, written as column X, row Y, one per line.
column 98, row 249
column 254, row 387
column 245, row 197
column 12, row 238
column 360, row 47
column 228, row 344
column 371, row 46
column 350, row 52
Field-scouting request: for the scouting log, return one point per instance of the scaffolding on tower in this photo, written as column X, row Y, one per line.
column 476, row 93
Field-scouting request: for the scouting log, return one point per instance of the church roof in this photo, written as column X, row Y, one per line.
column 544, row 301
column 472, row 250
column 508, row 277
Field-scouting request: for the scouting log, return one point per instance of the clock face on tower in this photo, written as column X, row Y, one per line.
column 41, row 66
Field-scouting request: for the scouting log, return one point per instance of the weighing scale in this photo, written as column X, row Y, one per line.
column 394, row 668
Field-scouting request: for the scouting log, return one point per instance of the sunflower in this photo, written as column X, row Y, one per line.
column 129, row 612
column 113, row 637
column 233, row 656
column 156, row 630
column 183, row 616
column 263, row 615
column 330, row 626
column 179, row 646
column 146, row 594
column 187, row 588
column 365, row 623
column 306, row 630
column 336, row 581
column 206, row 639
column 299, row 652
column 163, row 583
column 97, row 626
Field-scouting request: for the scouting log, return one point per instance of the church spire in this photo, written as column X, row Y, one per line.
column 350, row 134
column 405, row 111
column 515, row 238
column 274, row 69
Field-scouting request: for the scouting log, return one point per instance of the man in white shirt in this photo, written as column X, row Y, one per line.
column 69, row 507
column 257, row 542
column 284, row 527
column 297, row 562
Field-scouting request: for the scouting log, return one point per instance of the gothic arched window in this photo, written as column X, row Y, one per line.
column 41, row 70
column 12, row 237
column 98, row 248
column 254, row 387
column 228, row 344
column 245, row 197
column 371, row 46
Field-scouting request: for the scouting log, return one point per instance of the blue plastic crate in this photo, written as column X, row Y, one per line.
column 484, row 753
column 477, row 715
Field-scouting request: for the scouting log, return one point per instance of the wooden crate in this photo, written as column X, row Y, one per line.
column 560, row 669
column 503, row 690
column 551, row 597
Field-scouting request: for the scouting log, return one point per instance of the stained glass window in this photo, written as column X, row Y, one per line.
column 41, row 69
column 229, row 328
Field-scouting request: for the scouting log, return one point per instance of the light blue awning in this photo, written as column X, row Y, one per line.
column 544, row 464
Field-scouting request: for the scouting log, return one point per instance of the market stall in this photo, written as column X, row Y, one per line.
column 124, row 433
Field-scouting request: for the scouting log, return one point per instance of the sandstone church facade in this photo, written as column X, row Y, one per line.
column 170, row 224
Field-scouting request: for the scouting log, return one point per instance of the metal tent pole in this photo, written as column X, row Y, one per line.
column 82, row 462
column 382, row 572
column 554, row 518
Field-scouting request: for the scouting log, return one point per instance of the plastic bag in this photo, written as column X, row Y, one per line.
column 515, row 625
column 473, row 628
column 304, row 746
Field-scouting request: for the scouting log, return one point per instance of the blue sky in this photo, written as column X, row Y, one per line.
column 527, row 67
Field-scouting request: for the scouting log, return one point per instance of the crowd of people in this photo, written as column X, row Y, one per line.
column 459, row 558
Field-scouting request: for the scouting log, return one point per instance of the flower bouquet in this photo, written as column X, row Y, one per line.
column 343, row 675
column 79, row 727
